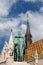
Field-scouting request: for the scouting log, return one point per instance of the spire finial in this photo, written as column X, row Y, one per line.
column 11, row 30
column 27, row 17
column 27, row 20
column 28, row 26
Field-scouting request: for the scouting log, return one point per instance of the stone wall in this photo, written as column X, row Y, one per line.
column 15, row 63
column 40, row 62
column 3, row 63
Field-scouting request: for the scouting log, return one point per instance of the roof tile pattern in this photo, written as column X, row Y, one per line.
column 31, row 50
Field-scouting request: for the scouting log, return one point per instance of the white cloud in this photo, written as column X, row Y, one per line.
column 23, row 27
column 41, row 9
column 36, row 24
column 35, row 20
column 8, row 24
column 5, row 5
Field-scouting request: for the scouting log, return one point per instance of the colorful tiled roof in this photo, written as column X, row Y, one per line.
column 31, row 50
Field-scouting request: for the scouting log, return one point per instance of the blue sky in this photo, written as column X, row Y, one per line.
column 13, row 14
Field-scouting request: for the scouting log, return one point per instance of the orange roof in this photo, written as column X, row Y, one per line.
column 31, row 50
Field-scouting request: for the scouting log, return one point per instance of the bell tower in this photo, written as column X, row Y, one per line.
column 28, row 36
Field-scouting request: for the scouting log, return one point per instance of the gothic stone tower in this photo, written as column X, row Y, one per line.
column 28, row 36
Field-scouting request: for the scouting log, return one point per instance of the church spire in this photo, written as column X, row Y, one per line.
column 28, row 35
column 28, row 26
column 11, row 40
